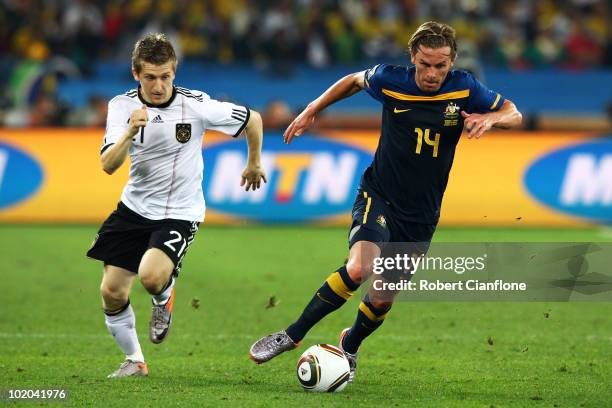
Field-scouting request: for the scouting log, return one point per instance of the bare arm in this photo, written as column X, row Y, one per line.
column 253, row 173
column 345, row 87
column 507, row 117
column 115, row 155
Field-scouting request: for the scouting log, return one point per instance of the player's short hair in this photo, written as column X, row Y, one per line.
column 433, row 35
column 155, row 49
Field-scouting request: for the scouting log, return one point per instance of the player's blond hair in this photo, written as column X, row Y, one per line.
column 433, row 35
column 155, row 49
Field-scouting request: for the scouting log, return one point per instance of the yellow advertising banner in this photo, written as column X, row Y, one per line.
column 502, row 179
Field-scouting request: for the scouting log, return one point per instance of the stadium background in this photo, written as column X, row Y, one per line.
column 63, row 60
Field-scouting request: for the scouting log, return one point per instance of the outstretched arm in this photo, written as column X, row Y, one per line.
column 253, row 173
column 506, row 117
column 345, row 87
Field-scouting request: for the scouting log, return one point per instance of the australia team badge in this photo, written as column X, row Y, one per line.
column 451, row 114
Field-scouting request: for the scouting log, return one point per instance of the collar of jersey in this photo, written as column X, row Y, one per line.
column 161, row 105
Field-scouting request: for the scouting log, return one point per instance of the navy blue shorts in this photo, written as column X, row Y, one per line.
column 375, row 221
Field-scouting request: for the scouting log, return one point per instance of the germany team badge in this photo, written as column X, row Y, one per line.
column 183, row 132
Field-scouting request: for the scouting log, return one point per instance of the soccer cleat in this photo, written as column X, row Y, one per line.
column 271, row 346
column 352, row 358
column 130, row 368
column 161, row 319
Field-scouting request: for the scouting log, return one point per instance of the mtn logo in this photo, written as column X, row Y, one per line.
column 576, row 179
column 314, row 178
column 21, row 176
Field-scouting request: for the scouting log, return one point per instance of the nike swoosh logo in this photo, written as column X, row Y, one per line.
column 395, row 110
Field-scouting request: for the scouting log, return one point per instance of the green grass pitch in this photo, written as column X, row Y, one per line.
column 52, row 332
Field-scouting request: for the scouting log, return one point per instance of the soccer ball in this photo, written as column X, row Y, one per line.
column 323, row 368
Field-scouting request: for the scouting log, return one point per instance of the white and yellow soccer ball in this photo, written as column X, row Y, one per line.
column 323, row 368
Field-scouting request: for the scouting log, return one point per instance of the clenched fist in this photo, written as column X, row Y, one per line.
column 138, row 119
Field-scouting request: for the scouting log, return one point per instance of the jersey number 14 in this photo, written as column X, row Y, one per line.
column 428, row 141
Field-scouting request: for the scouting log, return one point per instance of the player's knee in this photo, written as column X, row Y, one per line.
column 358, row 270
column 152, row 279
column 155, row 270
column 113, row 296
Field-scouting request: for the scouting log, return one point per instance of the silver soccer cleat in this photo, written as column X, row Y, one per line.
column 161, row 319
column 271, row 346
column 352, row 358
column 130, row 368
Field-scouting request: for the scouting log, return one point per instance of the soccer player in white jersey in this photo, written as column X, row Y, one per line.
column 161, row 127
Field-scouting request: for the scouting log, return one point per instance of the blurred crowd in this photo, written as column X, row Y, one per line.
column 505, row 32
column 72, row 35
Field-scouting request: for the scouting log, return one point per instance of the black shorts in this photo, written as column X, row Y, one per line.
column 375, row 221
column 125, row 236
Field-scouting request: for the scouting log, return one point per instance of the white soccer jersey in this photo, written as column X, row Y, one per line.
column 166, row 167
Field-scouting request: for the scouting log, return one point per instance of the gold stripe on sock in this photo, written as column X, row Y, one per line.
column 336, row 284
column 370, row 314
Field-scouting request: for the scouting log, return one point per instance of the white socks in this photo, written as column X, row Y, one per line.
column 163, row 297
column 123, row 328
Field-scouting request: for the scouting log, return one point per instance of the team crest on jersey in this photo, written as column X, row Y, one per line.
column 451, row 113
column 381, row 221
column 183, row 132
